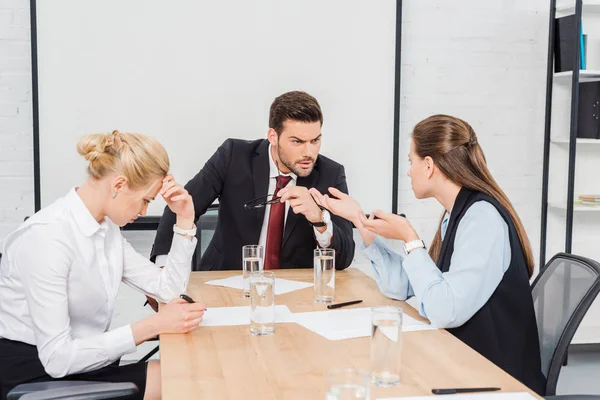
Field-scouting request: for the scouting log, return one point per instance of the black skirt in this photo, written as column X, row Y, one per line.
column 19, row 363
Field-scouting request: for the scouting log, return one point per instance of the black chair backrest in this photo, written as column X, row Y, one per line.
column 207, row 223
column 562, row 293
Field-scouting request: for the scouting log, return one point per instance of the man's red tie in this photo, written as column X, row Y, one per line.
column 275, row 228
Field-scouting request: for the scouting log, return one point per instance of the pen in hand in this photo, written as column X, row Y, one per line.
column 189, row 299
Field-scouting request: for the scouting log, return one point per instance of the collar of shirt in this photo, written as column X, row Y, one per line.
column 274, row 172
column 445, row 223
column 84, row 219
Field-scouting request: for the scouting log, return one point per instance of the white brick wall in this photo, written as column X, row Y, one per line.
column 16, row 140
column 483, row 61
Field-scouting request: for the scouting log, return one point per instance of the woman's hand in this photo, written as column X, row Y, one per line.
column 390, row 226
column 179, row 201
column 341, row 204
column 179, row 316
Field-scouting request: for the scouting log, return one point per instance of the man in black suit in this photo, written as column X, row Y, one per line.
column 286, row 166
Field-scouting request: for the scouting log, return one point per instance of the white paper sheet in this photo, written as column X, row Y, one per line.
column 231, row 316
column 473, row 396
column 282, row 286
column 348, row 324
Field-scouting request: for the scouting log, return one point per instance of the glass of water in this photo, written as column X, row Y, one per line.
column 386, row 345
column 262, row 303
column 252, row 259
column 324, row 270
column 348, row 384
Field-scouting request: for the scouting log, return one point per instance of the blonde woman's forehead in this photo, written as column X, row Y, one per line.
column 152, row 190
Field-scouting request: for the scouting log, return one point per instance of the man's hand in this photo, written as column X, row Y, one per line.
column 301, row 202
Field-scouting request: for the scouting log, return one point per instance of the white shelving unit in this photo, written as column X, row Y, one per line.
column 578, row 208
column 585, row 238
column 585, row 75
column 568, row 7
column 580, row 141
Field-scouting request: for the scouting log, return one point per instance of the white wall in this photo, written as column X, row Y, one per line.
column 16, row 140
column 483, row 61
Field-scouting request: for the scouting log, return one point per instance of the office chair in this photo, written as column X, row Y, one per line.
column 562, row 293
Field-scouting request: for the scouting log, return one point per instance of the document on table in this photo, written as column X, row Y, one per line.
column 282, row 286
column 231, row 316
column 348, row 324
column 470, row 396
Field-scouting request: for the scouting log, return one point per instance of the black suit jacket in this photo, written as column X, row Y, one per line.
column 237, row 173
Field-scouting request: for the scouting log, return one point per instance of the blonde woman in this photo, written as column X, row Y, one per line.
column 61, row 271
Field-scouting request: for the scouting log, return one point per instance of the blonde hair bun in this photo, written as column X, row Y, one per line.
column 137, row 157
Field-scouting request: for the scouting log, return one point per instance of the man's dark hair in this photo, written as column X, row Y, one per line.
column 297, row 106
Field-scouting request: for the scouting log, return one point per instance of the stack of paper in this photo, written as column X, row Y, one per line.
column 348, row 324
column 282, row 286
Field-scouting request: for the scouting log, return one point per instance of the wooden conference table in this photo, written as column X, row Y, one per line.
column 229, row 363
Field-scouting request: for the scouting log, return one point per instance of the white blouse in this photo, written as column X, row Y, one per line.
column 59, row 279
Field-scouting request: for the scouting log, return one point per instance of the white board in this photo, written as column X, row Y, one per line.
column 193, row 73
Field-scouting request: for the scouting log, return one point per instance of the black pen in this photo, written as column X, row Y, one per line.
column 464, row 390
column 349, row 303
column 187, row 298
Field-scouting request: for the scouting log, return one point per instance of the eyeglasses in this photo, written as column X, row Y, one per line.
column 262, row 201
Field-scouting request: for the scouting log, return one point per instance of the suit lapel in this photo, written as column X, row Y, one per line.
column 260, row 172
column 292, row 219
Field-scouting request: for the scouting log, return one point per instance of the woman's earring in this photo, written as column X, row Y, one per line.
column 114, row 194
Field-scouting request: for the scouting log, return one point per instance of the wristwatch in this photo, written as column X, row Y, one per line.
column 325, row 219
column 415, row 244
column 185, row 232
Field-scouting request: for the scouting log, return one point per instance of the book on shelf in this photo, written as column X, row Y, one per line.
column 590, row 200
column 593, row 198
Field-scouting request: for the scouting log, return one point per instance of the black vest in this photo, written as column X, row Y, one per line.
column 504, row 330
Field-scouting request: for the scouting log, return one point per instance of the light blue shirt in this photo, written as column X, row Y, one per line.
column 481, row 257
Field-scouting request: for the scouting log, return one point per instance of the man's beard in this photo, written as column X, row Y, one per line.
column 301, row 172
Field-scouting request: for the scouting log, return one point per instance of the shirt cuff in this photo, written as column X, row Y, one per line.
column 161, row 261
column 422, row 272
column 119, row 341
column 374, row 250
column 182, row 249
column 324, row 239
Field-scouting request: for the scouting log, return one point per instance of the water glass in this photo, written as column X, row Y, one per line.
column 252, row 260
column 262, row 303
column 348, row 384
column 324, row 271
column 386, row 345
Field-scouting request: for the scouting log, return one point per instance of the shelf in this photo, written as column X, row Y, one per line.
column 588, row 6
column 585, row 75
column 579, row 141
column 576, row 207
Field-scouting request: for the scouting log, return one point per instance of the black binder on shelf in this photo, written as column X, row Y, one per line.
column 564, row 39
column 588, row 111
column 564, row 45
